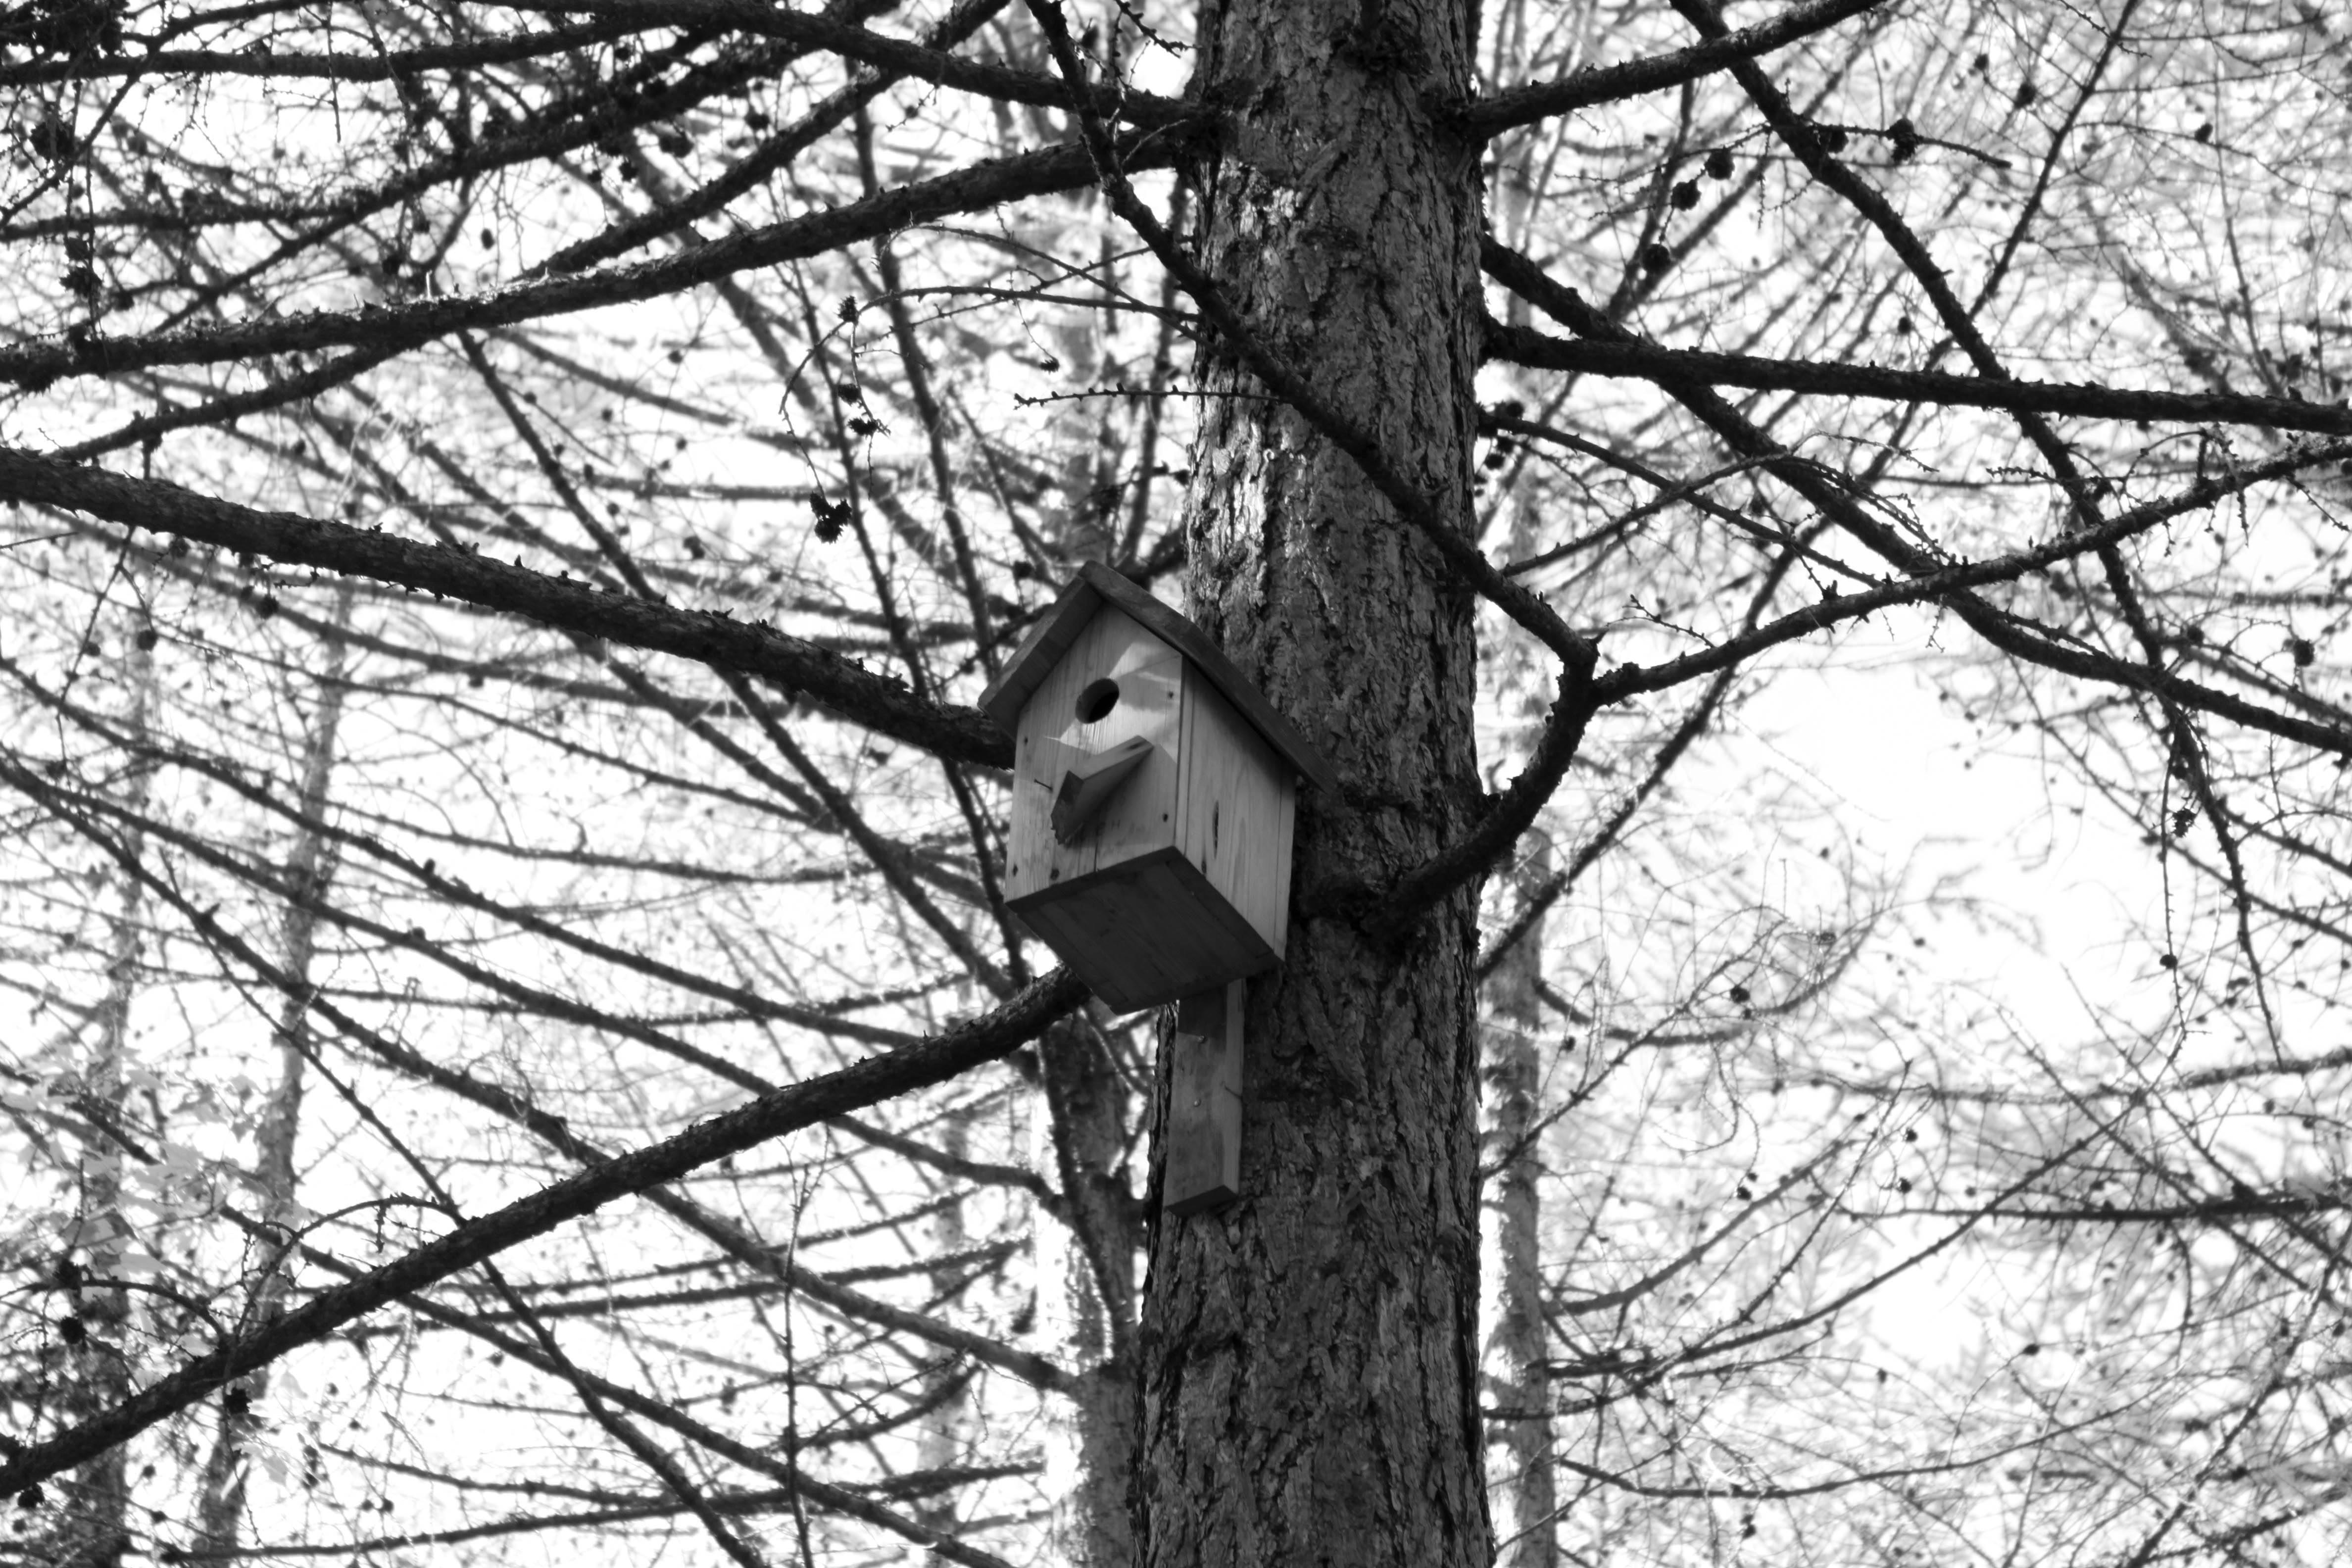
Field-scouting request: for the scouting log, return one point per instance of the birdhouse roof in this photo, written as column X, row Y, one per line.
column 1097, row 585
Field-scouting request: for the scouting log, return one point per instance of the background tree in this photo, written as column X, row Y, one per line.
column 525, row 1042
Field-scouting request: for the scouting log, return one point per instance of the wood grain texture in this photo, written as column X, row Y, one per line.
column 1050, row 734
column 1203, row 1129
column 1089, row 780
column 1180, row 880
column 1310, row 1392
column 1235, row 801
column 1146, row 931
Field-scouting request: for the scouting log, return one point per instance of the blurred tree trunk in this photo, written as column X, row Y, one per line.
column 1522, row 1390
column 93, row 1524
column 1093, row 1525
column 310, row 868
column 1309, row 1383
column 943, row 1443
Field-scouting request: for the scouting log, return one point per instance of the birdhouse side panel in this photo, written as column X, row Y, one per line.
column 1236, row 802
column 1117, row 682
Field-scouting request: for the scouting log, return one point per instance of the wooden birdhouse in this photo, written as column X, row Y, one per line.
column 1154, row 791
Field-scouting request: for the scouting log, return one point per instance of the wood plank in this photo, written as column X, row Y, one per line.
column 1089, row 782
column 1235, row 811
column 1137, row 819
column 1093, row 931
column 1145, row 932
column 1203, row 1128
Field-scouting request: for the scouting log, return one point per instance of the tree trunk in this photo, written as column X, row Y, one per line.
column 1309, row 1353
column 1521, row 1342
column 92, row 1528
column 945, row 1433
column 311, row 867
column 1093, row 1525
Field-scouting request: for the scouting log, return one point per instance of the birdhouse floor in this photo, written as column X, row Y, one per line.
column 1146, row 931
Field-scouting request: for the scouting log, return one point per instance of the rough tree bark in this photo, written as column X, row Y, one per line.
column 1309, row 1355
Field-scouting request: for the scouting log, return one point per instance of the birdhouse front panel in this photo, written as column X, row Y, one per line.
column 1118, row 684
column 1150, row 834
column 1154, row 791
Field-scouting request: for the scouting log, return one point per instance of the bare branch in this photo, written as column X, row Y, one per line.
column 881, row 703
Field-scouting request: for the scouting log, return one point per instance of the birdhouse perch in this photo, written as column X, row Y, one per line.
column 1153, row 798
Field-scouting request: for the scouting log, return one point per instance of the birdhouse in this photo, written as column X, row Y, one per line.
column 1153, row 796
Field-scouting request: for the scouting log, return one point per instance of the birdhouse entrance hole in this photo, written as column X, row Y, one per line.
column 1096, row 701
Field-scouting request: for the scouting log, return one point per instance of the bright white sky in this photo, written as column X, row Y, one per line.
column 1922, row 788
